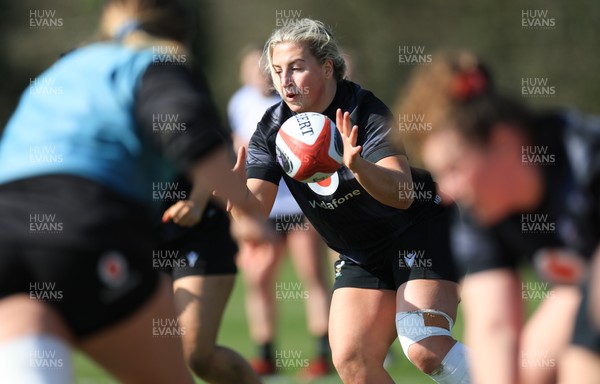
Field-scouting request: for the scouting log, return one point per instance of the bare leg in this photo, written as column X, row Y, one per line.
column 361, row 330
column 579, row 365
column 200, row 302
column 308, row 254
column 259, row 265
column 34, row 343
column 129, row 351
column 19, row 315
column 441, row 295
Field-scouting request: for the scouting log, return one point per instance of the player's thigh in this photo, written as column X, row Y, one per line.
column 441, row 295
column 260, row 262
column 542, row 341
column 202, row 283
column 581, row 360
column 199, row 303
column 145, row 347
column 361, row 323
column 579, row 365
column 19, row 316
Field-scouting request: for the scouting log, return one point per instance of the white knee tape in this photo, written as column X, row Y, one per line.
column 36, row 359
column 412, row 329
column 454, row 369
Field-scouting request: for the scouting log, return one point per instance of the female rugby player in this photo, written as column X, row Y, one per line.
column 76, row 174
column 196, row 243
column 530, row 184
column 383, row 217
column 260, row 264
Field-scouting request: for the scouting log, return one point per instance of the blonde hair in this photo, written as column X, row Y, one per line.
column 317, row 37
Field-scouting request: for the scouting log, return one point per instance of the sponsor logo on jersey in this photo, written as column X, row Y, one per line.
column 327, row 188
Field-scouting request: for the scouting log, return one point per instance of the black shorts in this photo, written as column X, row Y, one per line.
column 585, row 334
column 77, row 246
column 203, row 250
column 421, row 252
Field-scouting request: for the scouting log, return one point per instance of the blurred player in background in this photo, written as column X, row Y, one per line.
column 203, row 272
column 369, row 213
column 197, row 229
column 530, row 184
column 262, row 263
column 76, row 174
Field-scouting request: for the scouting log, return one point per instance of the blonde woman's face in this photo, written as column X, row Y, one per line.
column 299, row 78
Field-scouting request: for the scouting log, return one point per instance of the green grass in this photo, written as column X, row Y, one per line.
column 292, row 336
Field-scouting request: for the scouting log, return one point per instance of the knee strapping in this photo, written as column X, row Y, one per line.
column 412, row 328
column 454, row 369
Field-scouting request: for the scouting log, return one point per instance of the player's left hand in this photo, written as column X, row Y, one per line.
column 185, row 213
column 349, row 135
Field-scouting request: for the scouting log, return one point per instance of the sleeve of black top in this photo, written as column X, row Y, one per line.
column 171, row 92
column 376, row 130
column 260, row 163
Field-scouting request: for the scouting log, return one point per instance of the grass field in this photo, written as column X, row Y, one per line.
column 293, row 342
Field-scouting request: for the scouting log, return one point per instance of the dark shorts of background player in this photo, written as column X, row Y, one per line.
column 206, row 249
column 585, row 334
column 425, row 246
column 87, row 258
column 284, row 224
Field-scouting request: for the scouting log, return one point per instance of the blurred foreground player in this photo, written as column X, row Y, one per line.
column 197, row 250
column 530, row 184
column 76, row 173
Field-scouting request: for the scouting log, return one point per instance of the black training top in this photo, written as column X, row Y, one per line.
column 567, row 148
column 350, row 220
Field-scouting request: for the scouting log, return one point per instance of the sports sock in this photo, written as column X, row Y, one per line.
column 265, row 351
column 323, row 348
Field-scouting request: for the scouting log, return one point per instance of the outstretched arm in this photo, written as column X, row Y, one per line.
column 213, row 173
column 383, row 180
column 493, row 315
column 259, row 195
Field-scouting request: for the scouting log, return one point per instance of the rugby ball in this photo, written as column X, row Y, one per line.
column 309, row 147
